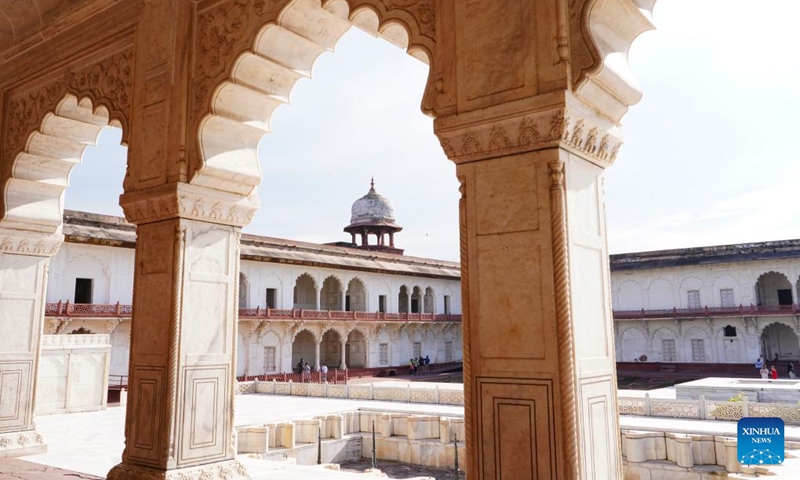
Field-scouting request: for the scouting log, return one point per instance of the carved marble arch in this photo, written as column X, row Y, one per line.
column 33, row 194
column 251, row 53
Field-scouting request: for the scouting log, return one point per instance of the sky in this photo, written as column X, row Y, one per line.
column 710, row 154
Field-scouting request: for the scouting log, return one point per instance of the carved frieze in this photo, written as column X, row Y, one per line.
column 108, row 82
column 227, row 470
column 191, row 202
column 23, row 243
column 562, row 127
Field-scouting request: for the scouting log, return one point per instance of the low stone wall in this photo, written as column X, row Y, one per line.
column 73, row 373
column 703, row 409
column 404, row 437
column 431, row 394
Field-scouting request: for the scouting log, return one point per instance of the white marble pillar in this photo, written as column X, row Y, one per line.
column 24, row 261
column 183, row 347
column 317, row 354
column 344, row 354
column 319, row 293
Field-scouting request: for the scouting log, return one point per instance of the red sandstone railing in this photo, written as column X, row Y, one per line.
column 752, row 310
column 338, row 376
column 67, row 309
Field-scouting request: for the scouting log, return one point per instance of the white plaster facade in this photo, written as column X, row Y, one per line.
column 271, row 345
column 674, row 306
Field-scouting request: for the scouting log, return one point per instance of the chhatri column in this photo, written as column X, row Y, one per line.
column 530, row 114
column 24, row 260
column 182, row 372
column 343, row 361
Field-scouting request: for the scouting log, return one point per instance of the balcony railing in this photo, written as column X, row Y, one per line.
column 752, row 310
column 90, row 310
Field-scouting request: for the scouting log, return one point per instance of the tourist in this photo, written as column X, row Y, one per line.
column 777, row 358
column 300, row 366
column 790, row 369
column 306, row 372
column 759, row 363
column 324, row 370
column 764, row 372
column 773, row 373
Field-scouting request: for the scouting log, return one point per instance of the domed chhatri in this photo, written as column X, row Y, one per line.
column 373, row 214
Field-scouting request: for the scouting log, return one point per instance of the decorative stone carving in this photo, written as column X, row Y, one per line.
column 15, row 241
column 191, row 202
column 108, row 82
column 520, row 133
column 228, row 470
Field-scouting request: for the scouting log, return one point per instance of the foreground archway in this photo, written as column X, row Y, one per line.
column 528, row 98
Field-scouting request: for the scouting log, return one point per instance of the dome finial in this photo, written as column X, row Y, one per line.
column 372, row 183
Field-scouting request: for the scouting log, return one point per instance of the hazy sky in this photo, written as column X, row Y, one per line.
column 710, row 157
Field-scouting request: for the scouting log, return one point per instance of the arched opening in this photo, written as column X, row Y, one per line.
column 634, row 345
column 773, row 289
column 304, row 349
column 305, row 292
column 356, row 350
column 429, row 302
column 416, row 300
column 779, row 343
column 244, row 291
column 356, row 296
column 330, row 351
column 331, row 294
column 402, row 300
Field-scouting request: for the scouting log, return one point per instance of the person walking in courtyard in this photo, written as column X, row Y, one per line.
column 773, row 373
column 759, row 364
column 790, row 369
column 764, row 372
column 324, row 371
column 306, row 372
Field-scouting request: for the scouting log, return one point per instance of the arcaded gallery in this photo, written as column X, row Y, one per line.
column 527, row 99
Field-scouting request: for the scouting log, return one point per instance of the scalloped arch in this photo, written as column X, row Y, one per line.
column 33, row 196
column 262, row 76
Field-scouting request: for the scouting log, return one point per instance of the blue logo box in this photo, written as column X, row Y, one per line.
column 760, row 441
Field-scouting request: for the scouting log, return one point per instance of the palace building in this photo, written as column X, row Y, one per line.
column 343, row 304
column 718, row 304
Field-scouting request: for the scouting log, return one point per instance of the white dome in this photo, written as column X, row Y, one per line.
column 372, row 209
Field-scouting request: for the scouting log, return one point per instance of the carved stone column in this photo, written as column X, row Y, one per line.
column 317, row 353
column 24, row 260
column 529, row 112
column 184, row 335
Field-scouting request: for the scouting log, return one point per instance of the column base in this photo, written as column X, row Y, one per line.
column 17, row 444
column 226, row 470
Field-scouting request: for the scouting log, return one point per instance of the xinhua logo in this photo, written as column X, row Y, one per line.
column 760, row 441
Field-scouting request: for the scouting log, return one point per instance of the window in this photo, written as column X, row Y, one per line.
column 730, row 331
column 668, row 349
column 785, row 296
column 269, row 359
column 726, row 297
column 272, row 293
column 448, row 351
column 347, row 303
column 383, row 353
column 447, row 304
column 414, row 305
column 693, row 298
column 382, row 303
column 417, row 350
column 83, row 290
column 698, row 351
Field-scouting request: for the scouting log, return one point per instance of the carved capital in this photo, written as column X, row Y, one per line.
column 567, row 124
column 191, row 202
column 29, row 243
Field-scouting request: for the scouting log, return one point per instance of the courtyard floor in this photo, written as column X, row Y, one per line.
column 71, row 436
